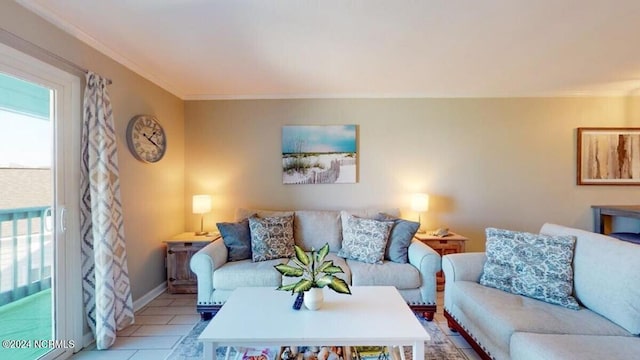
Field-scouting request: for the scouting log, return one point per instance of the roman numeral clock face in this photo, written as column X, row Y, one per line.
column 146, row 138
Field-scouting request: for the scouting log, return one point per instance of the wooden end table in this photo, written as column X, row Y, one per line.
column 180, row 249
column 603, row 214
column 451, row 244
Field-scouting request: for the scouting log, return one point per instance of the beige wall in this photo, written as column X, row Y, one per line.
column 152, row 195
column 485, row 162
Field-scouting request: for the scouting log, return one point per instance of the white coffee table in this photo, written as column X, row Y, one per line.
column 263, row 317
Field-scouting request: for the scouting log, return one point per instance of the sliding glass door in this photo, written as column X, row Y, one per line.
column 40, row 311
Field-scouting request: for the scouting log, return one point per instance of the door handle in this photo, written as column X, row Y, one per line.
column 63, row 219
column 48, row 220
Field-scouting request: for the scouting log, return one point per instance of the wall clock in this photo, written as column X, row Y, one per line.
column 146, row 138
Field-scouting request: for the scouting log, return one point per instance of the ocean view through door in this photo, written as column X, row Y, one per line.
column 37, row 214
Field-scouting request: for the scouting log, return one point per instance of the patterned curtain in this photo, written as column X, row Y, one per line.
column 105, row 278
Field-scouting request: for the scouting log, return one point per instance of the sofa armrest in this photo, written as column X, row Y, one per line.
column 203, row 264
column 460, row 267
column 427, row 261
column 463, row 266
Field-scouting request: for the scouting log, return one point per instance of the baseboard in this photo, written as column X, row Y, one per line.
column 88, row 339
column 148, row 297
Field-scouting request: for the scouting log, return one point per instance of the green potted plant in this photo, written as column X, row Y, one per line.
column 315, row 273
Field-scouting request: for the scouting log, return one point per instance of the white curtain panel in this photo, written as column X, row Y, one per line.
column 105, row 278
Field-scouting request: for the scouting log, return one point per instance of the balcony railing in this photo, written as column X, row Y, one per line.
column 26, row 252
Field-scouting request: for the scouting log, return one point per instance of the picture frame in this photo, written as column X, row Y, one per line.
column 319, row 154
column 608, row 156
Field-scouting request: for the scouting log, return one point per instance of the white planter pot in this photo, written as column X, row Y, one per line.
column 313, row 298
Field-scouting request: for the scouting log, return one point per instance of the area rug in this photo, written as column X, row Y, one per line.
column 438, row 348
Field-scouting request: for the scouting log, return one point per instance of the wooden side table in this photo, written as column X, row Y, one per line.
column 180, row 249
column 451, row 244
column 603, row 214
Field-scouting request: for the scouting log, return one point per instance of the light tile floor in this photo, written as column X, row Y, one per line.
column 159, row 326
column 163, row 322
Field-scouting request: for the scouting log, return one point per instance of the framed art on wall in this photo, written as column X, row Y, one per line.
column 608, row 156
column 324, row 154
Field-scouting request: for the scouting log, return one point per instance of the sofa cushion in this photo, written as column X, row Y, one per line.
column 531, row 346
column 364, row 239
column 493, row 315
column 271, row 237
column 510, row 312
column 247, row 273
column 534, row 265
column 372, row 213
column 314, row 228
column 402, row 276
column 400, row 238
column 607, row 274
column 242, row 213
column 237, row 239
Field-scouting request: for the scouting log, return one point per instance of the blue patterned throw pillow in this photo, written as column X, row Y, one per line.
column 533, row 265
column 364, row 239
column 271, row 237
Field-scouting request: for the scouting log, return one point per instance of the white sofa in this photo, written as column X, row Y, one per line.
column 217, row 277
column 501, row 325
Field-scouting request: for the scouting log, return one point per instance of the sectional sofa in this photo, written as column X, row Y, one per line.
column 504, row 325
column 219, row 274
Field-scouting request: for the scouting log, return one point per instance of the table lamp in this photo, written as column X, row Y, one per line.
column 201, row 205
column 420, row 204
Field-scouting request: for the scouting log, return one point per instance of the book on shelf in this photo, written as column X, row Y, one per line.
column 375, row 353
column 258, row 353
column 314, row 353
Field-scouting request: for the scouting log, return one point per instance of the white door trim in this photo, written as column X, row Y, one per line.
column 67, row 110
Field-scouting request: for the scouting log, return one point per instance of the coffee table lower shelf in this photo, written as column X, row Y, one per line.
column 210, row 350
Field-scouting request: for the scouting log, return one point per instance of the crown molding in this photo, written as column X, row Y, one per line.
column 74, row 31
column 568, row 94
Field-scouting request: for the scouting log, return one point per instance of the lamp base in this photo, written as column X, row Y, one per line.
column 201, row 232
column 420, row 229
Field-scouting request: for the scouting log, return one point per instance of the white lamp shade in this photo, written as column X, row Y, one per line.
column 420, row 202
column 201, row 204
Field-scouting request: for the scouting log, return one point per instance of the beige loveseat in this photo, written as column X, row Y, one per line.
column 501, row 325
column 218, row 277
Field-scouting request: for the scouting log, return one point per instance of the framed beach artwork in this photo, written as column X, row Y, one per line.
column 608, row 156
column 319, row 154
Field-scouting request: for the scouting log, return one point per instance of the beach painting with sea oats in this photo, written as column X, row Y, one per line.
column 608, row 156
column 319, row 154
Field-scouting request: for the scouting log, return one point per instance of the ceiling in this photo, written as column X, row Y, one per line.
column 228, row 49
